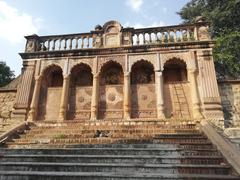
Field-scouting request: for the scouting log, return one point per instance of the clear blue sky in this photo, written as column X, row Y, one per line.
column 45, row 17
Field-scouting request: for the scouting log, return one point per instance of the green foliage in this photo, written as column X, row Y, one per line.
column 191, row 10
column 6, row 75
column 225, row 27
column 227, row 54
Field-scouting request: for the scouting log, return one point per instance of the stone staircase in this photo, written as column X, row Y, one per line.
column 113, row 150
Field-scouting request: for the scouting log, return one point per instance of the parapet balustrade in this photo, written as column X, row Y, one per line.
column 164, row 35
column 129, row 37
column 65, row 42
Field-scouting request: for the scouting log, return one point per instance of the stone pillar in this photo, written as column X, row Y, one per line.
column 94, row 103
column 34, row 104
column 64, row 98
column 194, row 93
column 126, row 106
column 24, row 92
column 159, row 93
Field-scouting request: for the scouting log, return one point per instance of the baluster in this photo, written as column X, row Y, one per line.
column 175, row 35
column 168, row 36
column 65, row 44
column 138, row 41
column 181, row 35
column 48, row 44
column 163, row 37
column 60, row 44
column 42, row 46
column 76, row 45
column 144, row 40
column 54, row 43
column 195, row 34
column 70, row 44
column 188, row 34
column 150, row 37
column 87, row 42
column 82, row 45
column 156, row 37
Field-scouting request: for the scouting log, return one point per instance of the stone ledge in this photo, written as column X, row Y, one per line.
column 227, row 148
column 15, row 129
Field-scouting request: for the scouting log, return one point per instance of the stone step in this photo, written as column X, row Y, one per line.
column 156, row 134
column 112, row 139
column 103, row 151
column 113, row 134
column 120, row 130
column 118, row 122
column 116, row 167
column 138, row 159
column 146, row 126
column 55, row 175
column 115, row 150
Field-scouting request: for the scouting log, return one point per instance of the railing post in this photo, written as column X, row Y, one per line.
column 33, row 43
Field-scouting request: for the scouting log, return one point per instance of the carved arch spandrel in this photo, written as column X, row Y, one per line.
column 75, row 62
column 47, row 63
column 175, row 61
column 45, row 68
column 151, row 58
column 186, row 57
column 104, row 60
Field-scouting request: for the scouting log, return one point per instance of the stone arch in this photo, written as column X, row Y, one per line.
column 47, row 67
column 175, row 70
column 52, row 76
column 176, row 89
column 104, row 61
column 111, row 91
column 143, row 103
column 81, row 75
column 140, row 60
column 88, row 62
column 183, row 56
column 111, row 72
column 80, row 92
column 142, row 72
column 51, row 89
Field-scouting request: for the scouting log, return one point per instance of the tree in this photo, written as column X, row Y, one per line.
column 223, row 16
column 6, row 75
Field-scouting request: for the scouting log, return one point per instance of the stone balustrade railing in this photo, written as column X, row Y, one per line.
column 66, row 42
column 102, row 38
column 165, row 35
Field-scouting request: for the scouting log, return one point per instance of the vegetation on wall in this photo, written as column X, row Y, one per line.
column 223, row 16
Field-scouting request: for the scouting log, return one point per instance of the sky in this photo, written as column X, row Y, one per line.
column 19, row 18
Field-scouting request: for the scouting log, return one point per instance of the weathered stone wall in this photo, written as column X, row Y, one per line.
column 230, row 96
column 7, row 100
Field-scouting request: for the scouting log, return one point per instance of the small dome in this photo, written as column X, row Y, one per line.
column 98, row 27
